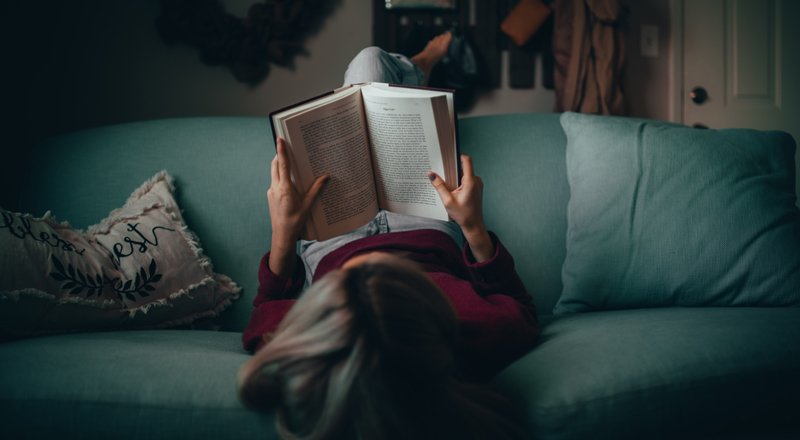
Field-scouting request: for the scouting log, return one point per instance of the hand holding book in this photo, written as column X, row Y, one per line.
column 465, row 207
column 377, row 143
column 288, row 210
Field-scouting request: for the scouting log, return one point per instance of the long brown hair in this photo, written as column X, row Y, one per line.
column 368, row 353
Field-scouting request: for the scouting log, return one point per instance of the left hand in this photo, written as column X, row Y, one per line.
column 288, row 208
column 465, row 203
column 465, row 206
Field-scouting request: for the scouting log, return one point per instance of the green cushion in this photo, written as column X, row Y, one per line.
column 149, row 384
column 646, row 373
column 604, row 374
column 221, row 171
column 666, row 215
column 520, row 159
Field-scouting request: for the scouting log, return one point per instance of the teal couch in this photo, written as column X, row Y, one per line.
column 626, row 374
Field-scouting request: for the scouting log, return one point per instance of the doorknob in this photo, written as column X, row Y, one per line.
column 699, row 95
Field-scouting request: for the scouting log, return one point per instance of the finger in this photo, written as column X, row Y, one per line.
column 276, row 179
column 277, row 159
column 438, row 184
column 283, row 162
column 316, row 187
column 466, row 165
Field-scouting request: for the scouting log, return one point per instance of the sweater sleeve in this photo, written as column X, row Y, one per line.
column 276, row 295
column 500, row 323
column 497, row 276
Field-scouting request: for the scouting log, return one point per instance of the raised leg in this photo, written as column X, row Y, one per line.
column 374, row 64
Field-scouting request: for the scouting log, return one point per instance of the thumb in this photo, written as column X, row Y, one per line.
column 313, row 192
column 438, row 184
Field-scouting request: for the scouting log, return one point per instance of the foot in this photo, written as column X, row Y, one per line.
column 432, row 54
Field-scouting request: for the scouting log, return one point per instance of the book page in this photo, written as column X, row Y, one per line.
column 405, row 146
column 416, row 91
column 444, row 117
column 333, row 140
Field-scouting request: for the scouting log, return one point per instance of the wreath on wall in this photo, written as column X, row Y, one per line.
column 274, row 31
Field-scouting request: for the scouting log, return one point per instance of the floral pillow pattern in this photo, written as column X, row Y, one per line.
column 139, row 268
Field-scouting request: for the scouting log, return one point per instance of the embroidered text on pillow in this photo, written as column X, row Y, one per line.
column 119, row 247
column 26, row 231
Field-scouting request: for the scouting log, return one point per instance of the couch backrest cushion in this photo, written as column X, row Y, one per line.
column 665, row 215
column 521, row 159
column 221, row 171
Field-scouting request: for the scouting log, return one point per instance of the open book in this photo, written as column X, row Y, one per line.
column 377, row 142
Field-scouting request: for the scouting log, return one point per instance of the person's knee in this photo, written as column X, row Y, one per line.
column 370, row 53
column 370, row 65
column 369, row 58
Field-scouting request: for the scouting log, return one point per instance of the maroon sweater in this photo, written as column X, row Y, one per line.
column 498, row 322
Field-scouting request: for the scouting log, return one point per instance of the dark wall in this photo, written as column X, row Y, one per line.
column 26, row 29
column 74, row 65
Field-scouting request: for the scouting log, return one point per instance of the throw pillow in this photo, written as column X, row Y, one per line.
column 666, row 215
column 139, row 268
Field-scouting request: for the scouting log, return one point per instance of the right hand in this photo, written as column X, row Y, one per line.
column 288, row 208
column 465, row 203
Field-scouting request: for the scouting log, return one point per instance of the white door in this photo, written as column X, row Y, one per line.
column 741, row 65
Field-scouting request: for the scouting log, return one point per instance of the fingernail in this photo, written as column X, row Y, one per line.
column 432, row 176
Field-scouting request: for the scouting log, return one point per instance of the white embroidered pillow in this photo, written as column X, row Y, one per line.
column 139, row 268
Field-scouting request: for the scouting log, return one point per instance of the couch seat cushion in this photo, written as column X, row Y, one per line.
column 127, row 384
column 652, row 372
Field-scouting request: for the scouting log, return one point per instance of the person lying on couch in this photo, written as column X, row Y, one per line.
column 403, row 314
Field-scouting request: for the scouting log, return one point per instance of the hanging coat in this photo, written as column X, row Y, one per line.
column 589, row 74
